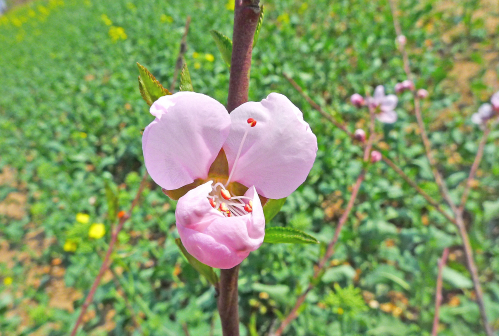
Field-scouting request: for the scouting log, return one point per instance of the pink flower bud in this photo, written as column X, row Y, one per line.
column 357, row 100
column 399, row 88
column 408, row 85
column 401, row 40
column 422, row 94
column 375, row 156
column 360, row 135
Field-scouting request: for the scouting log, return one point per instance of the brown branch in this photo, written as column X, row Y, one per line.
column 438, row 295
column 106, row 262
column 441, row 184
column 246, row 15
column 413, row 184
column 186, row 330
column 293, row 314
column 474, row 168
column 470, row 263
column 227, row 301
column 417, row 110
column 180, row 59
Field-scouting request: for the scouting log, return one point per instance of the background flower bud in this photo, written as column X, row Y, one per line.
column 375, row 156
column 401, row 40
column 408, row 85
column 357, row 100
column 399, row 88
column 422, row 94
column 360, row 135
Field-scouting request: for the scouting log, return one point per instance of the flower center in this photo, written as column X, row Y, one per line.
column 221, row 199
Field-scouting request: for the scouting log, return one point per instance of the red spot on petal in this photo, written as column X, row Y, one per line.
column 252, row 122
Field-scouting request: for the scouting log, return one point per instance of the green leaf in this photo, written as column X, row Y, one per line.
column 203, row 269
column 272, row 208
column 456, row 279
column 112, row 200
column 279, row 234
column 185, row 79
column 258, row 26
column 224, row 45
column 150, row 88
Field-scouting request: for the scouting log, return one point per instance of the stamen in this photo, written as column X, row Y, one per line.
column 213, row 203
column 252, row 123
column 248, row 208
column 225, row 194
column 223, row 207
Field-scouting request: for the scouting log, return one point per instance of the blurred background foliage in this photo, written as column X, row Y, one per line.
column 70, row 123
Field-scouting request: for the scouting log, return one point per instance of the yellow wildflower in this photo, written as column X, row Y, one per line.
column 106, row 20
column 83, row 135
column 166, row 18
column 340, row 311
column 209, row 57
column 117, row 33
column 197, row 65
column 97, row 231
column 230, row 5
column 82, row 218
column 283, row 18
column 195, row 55
column 69, row 246
column 7, row 281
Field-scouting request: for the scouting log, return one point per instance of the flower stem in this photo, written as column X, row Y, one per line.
column 246, row 16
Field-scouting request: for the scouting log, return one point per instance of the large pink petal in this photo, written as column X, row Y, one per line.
column 216, row 240
column 379, row 93
column 387, row 117
column 185, row 138
column 389, row 103
column 495, row 100
column 278, row 152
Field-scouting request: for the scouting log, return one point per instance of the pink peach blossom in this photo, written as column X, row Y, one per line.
column 494, row 100
column 485, row 112
column 268, row 150
column 384, row 106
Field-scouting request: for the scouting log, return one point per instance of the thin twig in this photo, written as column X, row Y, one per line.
column 468, row 252
column 317, row 107
column 293, row 314
column 390, row 163
column 441, row 184
column 180, row 59
column 186, row 330
column 106, row 262
column 438, row 295
column 474, row 168
column 417, row 110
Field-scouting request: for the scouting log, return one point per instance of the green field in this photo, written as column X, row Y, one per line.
column 71, row 117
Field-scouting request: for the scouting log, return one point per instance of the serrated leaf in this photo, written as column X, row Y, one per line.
column 203, row 269
column 224, row 45
column 276, row 235
column 150, row 88
column 112, row 200
column 272, row 208
column 258, row 26
column 185, row 79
